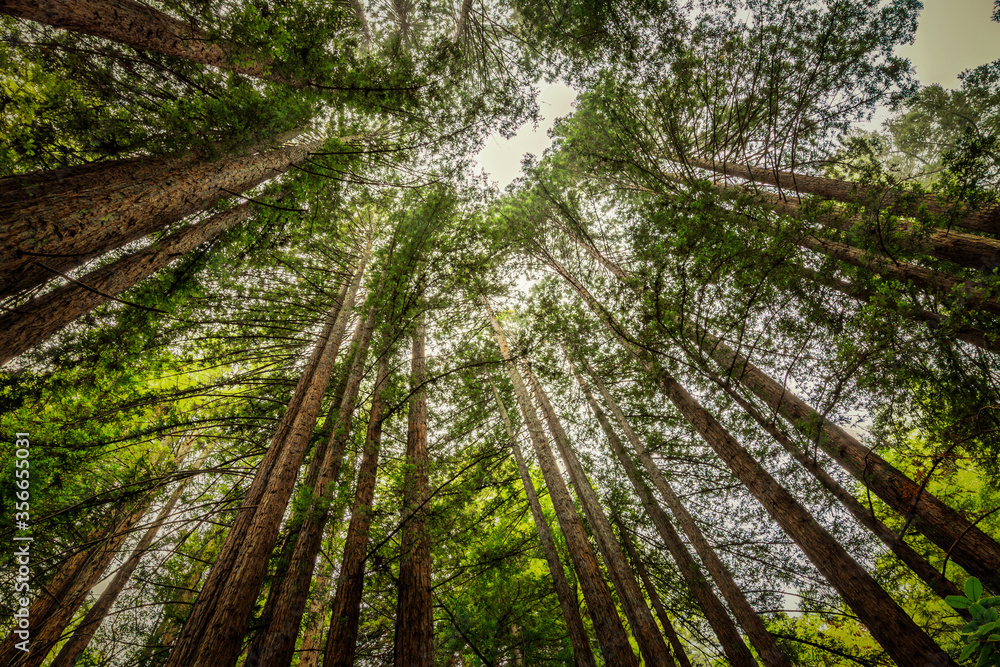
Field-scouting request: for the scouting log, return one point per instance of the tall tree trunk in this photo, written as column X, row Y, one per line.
column 275, row 646
column 213, row 635
column 935, row 580
column 32, row 323
column 141, row 27
column 651, row 645
column 614, row 643
column 55, row 607
column 986, row 220
column 567, row 598
column 888, row 624
column 969, row 546
column 680, row 655
column 341, row 641
column 745, row 615
column 312, row 637
column 414, row 640
column 50, row 231
column 95, row 616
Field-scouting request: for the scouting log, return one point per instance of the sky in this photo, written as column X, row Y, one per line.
column 952, row 35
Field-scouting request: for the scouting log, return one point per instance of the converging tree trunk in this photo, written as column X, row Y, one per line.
column 651, row 645
column 611, row 637
column 414, row 640
column 213, row 635
column 567, row 598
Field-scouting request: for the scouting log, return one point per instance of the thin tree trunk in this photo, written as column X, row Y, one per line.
column 141, row 27
column 934, row 579
column 614, row 643
column 312, row 638
column 56, row 231
column 32, row 323
column 888, row 624
column 745, row 614
column 213, row 635
column 675, row 642
column 414, row 639
column 567, row 599
column 341, row 642
column 275, row 646
column 651, row 645
column 986, row 220
column 95, row 616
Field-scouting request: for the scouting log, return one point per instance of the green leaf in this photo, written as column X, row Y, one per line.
column 973, row 589
column 968, row 651
column 957, row 601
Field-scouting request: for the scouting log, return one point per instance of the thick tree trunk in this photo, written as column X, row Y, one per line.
column 32, row 323
column 414, row 640
column 969, row 546
column 50, row 230
column 679, row 653
column 341, row 642
column 275, row 646
column 213, row 635
column 567, row 598
column 139, row 26
column 934, row 579
column 986, row 220
column 651, row 645
column 55, row 607
column 614, row 643
column 888, row 624
column 95, row 616
column 745, row 615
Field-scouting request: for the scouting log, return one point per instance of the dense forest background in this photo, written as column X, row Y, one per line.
column 715, row 382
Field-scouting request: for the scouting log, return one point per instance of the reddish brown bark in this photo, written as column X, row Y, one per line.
column 567, row 599
column 901, row 638
column 611, row 637
column 651, row 645
column 32, row 323
column 214, row 632
column 678, row 652
column 138, row 26
column 414, row 640
column 61, row 230
column 341, row 641
column 986, row 220
column 745, row 614
column 275, row 646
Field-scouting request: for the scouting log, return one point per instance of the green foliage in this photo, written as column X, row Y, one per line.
column 982, row 640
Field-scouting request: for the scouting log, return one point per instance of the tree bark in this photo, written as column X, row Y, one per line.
column 52, row 230
column 213, row 635
column 141, row 27
column 275, row 646
column 745, row 614
column 32, row 323
column 651, row 645
column 567, row 599
column 341, row 642
column 888, row 624
column 414, row 639
column 985, row 220
column 679, row 654
column 312, row 639
column 611, row 637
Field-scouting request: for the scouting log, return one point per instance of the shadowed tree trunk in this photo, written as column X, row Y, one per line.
column 675, row 642
column 214, row 632
column 32, row 323
column 567, row 598
column 651, row 645
column 48, row 231
column 275, row 646
column 745, row 614
column 341, row 642
column 888, row 624
column 611, row 637
column 414, row 640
